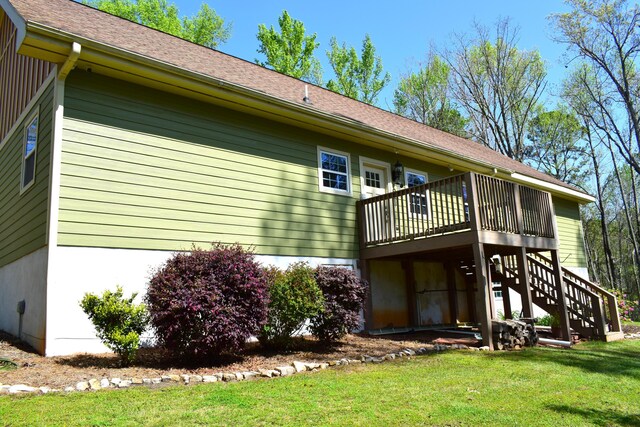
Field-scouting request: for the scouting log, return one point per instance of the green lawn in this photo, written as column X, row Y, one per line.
column 591, row 384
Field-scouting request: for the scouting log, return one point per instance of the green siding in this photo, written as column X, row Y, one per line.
column 23, row 218
column 149, row 170
column 572, row 253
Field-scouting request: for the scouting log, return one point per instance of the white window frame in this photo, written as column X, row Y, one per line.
column 408, row 171
column 333, row 152
column 24, row 156
column 364, row 161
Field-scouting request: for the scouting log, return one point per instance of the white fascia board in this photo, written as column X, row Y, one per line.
column 578, row 196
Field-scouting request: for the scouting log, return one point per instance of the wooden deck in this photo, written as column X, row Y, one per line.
column 456, row 211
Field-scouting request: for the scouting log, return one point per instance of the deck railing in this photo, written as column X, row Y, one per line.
column 447, row 206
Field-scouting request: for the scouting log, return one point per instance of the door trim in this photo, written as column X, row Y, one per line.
column 366, row 161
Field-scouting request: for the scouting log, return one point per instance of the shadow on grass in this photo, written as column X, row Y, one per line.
column 600, row 417
column 608, row 359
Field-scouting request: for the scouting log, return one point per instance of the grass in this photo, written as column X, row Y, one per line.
column 591, row 384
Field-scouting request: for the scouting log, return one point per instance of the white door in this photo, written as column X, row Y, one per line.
column 375, row 182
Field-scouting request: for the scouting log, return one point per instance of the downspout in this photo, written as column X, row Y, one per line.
column 70, row 63
column 54, row 196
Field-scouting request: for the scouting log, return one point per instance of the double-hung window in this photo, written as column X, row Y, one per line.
column 417, row 201
column 29, row 153
column 334, row 171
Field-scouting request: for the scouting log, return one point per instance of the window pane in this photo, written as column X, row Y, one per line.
column 334, row 180
column 29, row 170
column 372, row 179
column 415, row 179
column 334, row 162
column 32, row 137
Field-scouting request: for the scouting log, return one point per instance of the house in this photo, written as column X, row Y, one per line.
column 121, row 145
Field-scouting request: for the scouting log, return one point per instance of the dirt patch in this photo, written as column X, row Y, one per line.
column 63, row 371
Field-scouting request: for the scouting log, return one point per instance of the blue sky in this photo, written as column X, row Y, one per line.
column 401, row 30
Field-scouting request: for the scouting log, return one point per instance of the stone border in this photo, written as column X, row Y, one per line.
column 279, row 371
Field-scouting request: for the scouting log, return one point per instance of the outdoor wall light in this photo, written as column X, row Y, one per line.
column 397, row 174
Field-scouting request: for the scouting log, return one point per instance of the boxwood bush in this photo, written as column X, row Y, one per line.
column 117, row 320
column 294, row 297
column 207, row 302
column 344, row 295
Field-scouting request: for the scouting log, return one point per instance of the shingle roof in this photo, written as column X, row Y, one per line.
column 88, row 23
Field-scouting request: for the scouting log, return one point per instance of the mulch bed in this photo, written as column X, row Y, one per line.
column 62, row 371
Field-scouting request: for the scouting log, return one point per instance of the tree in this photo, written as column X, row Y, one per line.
column 359, row 78
column 556, row 146
column 206, row 28
column 424, row 96
column 606, row 34
column 498, row 86
column 290, row 51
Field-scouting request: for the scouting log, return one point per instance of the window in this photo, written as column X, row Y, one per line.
column 333, row 171
column 29, row 153
column 417, row 202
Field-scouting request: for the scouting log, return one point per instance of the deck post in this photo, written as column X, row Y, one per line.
column 506, row 301
column 452, row 292
column 365, row 274
column 410, row 283
column 485, row 291
column 561, row 291
column 523, row 278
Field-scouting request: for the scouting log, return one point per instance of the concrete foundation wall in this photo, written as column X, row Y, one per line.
column 81, row 270
column 25, row 280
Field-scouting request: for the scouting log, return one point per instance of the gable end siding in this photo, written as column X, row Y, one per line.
column 23, row 218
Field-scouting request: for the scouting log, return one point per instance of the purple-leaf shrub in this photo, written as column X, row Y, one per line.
column 344, row 295
column 207, row 302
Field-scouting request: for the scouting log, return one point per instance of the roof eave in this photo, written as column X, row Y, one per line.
column 112, row 60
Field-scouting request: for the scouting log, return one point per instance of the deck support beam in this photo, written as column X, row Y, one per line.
column 410, row 283
column 486, row 294
column 452, row 293
column 365, row 274
column 524, row 283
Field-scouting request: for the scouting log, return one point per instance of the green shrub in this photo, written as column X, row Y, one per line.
column 294, row 297
column 118, row 321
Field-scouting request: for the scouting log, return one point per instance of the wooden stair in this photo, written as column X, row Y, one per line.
column 592, row 310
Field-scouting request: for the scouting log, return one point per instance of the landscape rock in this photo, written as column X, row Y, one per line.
column 323, row 365
column 196, row 378
column 82, row 386
column 299, row 366
column 209, row 378
column 137, row 381
column 229, row 377
column 44, row 390
column 185, row 378
column 115, row 381
column 21, row 388
column 267, row 373
column 4, row 389
column 104, row 383
column 68, row 389
column 286, row 370
column 94, row 384
column 147, row 381
column 124, row 384
column 156, row 380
